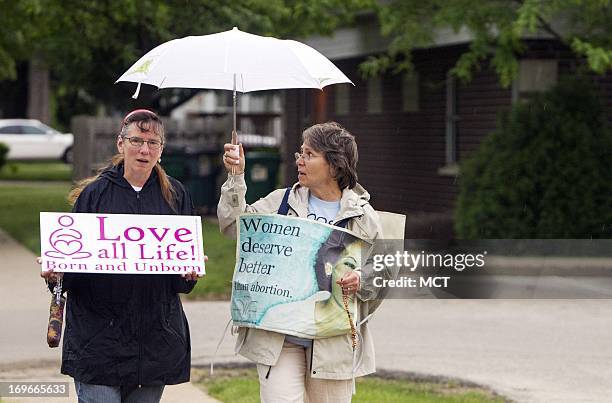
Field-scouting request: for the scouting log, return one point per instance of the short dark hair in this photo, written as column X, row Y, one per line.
column 339, row 148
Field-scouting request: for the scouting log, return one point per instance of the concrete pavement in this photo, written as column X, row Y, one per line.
column 24, row 305
column 527, row 350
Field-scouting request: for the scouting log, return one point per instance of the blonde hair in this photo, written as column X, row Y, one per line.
column 146, row 121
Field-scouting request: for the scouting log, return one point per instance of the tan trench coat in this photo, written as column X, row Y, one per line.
column 331, row 358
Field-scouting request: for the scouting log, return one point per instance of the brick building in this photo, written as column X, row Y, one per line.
column 412, row 130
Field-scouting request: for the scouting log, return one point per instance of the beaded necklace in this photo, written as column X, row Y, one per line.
column 345, row 299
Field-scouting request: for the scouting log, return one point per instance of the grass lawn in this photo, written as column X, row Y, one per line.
column 36, row 171
column 21, row 203
column 221, row 252
column 241, row 386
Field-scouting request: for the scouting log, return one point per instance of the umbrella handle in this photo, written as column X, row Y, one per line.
column 234, row 150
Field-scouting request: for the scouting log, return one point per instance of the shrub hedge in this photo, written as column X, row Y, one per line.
column 546, row 172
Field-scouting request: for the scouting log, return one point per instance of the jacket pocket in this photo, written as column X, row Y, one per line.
column 242, row 335
column 168, row 315
column 95, row 337
column 332, row 358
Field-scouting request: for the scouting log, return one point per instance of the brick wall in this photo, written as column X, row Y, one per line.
column 400, row 153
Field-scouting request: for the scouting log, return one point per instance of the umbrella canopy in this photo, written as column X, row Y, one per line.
column 234, row 60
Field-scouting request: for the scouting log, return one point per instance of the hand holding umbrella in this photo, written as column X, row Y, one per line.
column 233, row 161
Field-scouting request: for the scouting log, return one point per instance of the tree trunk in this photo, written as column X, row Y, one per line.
column 38, row 91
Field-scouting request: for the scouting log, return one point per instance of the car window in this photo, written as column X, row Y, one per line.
column 10, row 130
column 31, row 130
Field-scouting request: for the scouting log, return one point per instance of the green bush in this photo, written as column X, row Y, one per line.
column 546, row 171
column 3, row 152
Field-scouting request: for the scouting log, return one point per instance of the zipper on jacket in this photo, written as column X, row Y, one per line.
column 140, row 321
column 139, row 314
column 311, row 355
column 139, row 349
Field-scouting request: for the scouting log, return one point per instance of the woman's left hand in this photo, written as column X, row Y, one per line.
column 193, row 276
column 350, row 282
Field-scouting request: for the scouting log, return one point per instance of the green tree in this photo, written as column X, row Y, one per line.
column 497, row 27
column 544, row 173
column 87, row 44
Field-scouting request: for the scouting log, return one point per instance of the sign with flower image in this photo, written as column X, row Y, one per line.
column 121, row 243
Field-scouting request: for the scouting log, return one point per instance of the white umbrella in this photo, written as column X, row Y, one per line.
column 233, row 60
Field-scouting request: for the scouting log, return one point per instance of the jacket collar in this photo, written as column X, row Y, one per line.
column 115, row 175
column 351, row 201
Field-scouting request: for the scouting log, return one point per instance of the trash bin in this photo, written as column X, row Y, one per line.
column 197, row 168
column 261, row 173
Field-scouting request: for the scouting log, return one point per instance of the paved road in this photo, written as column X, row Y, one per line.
column 528, row 350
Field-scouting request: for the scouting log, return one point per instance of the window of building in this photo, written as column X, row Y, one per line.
column 343, row 100
column 535, row 75
column 450, row 168
column 375, row 95
column 410, row 92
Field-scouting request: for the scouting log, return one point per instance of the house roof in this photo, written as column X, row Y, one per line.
column 365, row 39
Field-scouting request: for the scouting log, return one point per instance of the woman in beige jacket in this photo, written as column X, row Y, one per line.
column 292, row 369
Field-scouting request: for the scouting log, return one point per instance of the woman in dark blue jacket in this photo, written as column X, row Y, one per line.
column 127, row 336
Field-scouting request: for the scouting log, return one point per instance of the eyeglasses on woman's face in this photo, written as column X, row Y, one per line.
column 139, row 142
column 305, row 155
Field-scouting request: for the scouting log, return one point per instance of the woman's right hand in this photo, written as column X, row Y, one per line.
column 233, row 159
column 50, row 276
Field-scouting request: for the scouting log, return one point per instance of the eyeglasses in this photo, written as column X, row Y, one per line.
column 139, row 142
column 306, row 156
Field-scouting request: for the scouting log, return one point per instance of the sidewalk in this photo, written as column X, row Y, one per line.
column 44, row 372
column 24, row 354
column 533, row 351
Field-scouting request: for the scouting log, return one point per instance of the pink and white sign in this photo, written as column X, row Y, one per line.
column 121, row 243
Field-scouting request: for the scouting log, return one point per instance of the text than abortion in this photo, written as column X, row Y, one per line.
column 272, row 289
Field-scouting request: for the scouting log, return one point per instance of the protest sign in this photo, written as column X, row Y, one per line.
column 121, row 243
column 286, row 272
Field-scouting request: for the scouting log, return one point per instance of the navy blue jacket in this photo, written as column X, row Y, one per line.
column 127, row 329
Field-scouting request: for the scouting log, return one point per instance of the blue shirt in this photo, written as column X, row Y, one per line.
column 324, row 212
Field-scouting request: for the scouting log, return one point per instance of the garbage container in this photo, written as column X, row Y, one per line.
column 197, row 168
column 261, row 173
column 173, row 159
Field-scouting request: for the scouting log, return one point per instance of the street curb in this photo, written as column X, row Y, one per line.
column 547, row 266
column 381, row 373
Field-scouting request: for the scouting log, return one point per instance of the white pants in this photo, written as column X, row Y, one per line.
column 289, row 381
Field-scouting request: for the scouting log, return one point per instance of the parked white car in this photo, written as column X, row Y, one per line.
column 30, row 139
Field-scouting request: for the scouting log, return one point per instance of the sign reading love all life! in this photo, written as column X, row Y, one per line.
column 121, row 243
